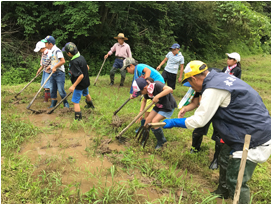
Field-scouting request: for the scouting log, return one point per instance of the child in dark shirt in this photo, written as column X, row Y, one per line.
column 78, row 70
column 165, row 104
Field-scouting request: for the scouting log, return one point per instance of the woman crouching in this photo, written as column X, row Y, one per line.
column 164, row 108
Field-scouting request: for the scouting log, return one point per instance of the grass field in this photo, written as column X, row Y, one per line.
column 54, row 159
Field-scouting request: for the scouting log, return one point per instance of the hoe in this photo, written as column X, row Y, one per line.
column 49, row 112
column 115, row 119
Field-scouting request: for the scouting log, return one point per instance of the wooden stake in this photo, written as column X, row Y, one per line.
column 241, row 170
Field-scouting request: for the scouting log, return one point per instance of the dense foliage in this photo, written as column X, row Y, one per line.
column 206, row 30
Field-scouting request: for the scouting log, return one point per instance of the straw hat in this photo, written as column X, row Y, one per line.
column 121, row 35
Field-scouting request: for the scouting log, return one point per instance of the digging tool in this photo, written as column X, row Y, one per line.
column 241, row 170
column 99, row 71
column 122, row 139
column 144, row 130
column 115, row 118
column 49, row 112
column 28, row 107
column 28, row 84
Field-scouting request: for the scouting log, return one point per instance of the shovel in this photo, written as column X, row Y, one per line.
column 99, row 71
column 115, row 119
column 122, row 139
column 28, row 84
column 49, row 112
column 144, row 130
column 28, row 107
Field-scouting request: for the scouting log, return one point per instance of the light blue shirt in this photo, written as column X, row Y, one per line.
column 155, row 75
column 173, row 62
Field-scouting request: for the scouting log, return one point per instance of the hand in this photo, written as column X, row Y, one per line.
column 48, row 68
column 106, row 56
column 182, row 113
column 54, row 69
column 131, row 97
column 139, row 120
column 37, row 73
column 72, row 88
column 158, row 68
column 179, row 79
column 155, row 99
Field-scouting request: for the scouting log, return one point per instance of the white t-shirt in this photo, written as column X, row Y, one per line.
column 56, row 55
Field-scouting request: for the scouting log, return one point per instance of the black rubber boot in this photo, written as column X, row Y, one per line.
column 112, row 73
column 196, row 142
column 232, row 174
column 66, row 104
column 160, row 137
column 123, row 77
column 214, row 163
column 53, row 103
column 78, row 116
column 89, row 104
column 223, row 159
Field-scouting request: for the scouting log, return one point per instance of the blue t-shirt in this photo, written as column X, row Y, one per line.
column 155, row 75
column 173, row 62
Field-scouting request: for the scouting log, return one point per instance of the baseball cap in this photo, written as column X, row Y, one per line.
column 70, row 47
column 193, row 68
column 49, row 39
column 127, row 62
column 138, row 84
column 234, row 55
column 174, row 46
column 39, row 45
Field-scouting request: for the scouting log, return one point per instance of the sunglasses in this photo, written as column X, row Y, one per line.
column 231, row 58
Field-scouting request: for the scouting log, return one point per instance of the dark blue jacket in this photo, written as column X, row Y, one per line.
column 246, row 113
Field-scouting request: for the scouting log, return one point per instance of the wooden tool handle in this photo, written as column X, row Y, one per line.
column 39, row 90
column 59, row 103
column 241, row 170
column 29, row 83
column 121, row 107
column 99, row 71
column 135, row 119
column 156, row 124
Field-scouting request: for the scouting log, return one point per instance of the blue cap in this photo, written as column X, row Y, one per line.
column 187, row 84
column 174, row 46
column 49, row 39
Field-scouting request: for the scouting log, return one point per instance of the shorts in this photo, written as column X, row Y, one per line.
column 77, row 95
column 44, row 77
column 170, row 79
column 148, row 102
column 165, row 114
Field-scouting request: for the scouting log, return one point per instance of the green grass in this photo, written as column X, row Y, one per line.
column 172, row 171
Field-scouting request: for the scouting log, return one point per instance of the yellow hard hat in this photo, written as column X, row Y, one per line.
column 193, row 68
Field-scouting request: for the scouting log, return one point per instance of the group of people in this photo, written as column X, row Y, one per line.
column 222, row 98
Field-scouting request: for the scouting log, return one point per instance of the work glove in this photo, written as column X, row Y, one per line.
column 177, row 122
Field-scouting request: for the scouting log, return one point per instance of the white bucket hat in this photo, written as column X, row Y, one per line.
column 235, row 56
column 39, row 45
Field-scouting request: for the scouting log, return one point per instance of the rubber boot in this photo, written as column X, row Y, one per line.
column 112, row 73
column 123, row 77
column 66, row 104
column 78, row 116
column 214, row 163
column 53, row 103
column 223, row 159
column 196, row 142
column 89, row 104
column 142, row 124
column 46, row 95
column 160, row 137
column 232, row 174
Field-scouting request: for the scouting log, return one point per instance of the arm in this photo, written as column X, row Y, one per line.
column 88, row 67
column 129, row 52
column 166, row 90
column 62, row 61
column 147, row 72
column 163, row 62
column 113, row 49
column 210, row 102
column 181, row 72
column 79, row 79
column 188, row 108
column 39, row 70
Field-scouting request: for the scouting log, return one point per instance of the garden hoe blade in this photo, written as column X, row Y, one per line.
column 143, row 135
column 115, row 119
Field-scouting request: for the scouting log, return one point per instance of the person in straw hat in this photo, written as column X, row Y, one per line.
column 122, row 51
